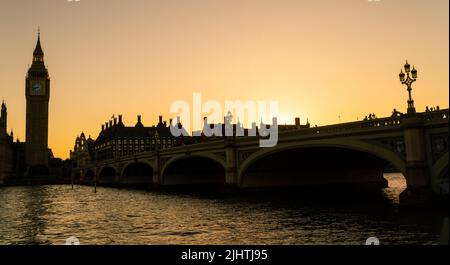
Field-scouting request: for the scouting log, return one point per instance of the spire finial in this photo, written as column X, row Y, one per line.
column 38, row 50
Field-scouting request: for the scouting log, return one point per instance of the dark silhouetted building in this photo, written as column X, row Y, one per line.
column 116, row 140
column 6, row 147
column 23, row 162
column 37, row 91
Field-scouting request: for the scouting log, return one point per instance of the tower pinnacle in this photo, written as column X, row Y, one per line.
column 38, row 54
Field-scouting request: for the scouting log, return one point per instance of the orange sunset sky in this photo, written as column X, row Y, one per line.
column 326, row 60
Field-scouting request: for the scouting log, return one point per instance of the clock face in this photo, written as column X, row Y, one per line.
column 37, row 89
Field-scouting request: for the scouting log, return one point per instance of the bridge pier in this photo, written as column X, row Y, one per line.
column 117, row 181
column 231, row 175
column 95, row 176
column 417, row 175
column 118, row 177
column 156, row 179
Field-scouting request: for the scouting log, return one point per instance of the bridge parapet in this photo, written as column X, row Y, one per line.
column 440, row 116
column 434, row 117
column 357, row 125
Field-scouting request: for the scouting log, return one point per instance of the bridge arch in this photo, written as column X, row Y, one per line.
column 107, row 175
column 200, row 168
column 343, row 144
column 137, row 173
column 140, row 161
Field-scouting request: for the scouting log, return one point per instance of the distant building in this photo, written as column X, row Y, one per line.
column 81, row 147
column 81, row 154
column 6, row 147
column 295, row 126
column 220, row 129
column 116, row 140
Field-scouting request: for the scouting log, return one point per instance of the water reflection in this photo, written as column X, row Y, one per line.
column 397, row 184
column 50, row 214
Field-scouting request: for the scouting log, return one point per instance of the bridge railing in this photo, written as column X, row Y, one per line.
column 349, row 126
column 394, row 121
column 436, row 116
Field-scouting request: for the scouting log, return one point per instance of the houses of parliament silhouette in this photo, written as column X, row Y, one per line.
column 32, row 158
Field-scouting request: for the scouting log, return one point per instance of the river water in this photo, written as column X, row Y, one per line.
column 51, row 214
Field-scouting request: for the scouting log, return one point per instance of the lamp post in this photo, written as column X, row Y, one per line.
column 411, row 77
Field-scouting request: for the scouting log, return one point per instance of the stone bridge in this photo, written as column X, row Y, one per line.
column 348, row 153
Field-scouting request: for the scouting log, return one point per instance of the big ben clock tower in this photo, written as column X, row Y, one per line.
column 37, row 92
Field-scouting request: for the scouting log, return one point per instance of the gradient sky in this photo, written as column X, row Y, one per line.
column 326, row 60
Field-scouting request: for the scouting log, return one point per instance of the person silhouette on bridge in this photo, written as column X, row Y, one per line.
column 394, row 113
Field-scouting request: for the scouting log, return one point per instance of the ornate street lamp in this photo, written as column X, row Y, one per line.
column 408, row 82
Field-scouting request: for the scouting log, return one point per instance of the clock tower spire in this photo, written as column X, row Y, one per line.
column 37, row 92
column 38, row 54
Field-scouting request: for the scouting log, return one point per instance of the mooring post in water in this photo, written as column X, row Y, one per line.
column 95, row 184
